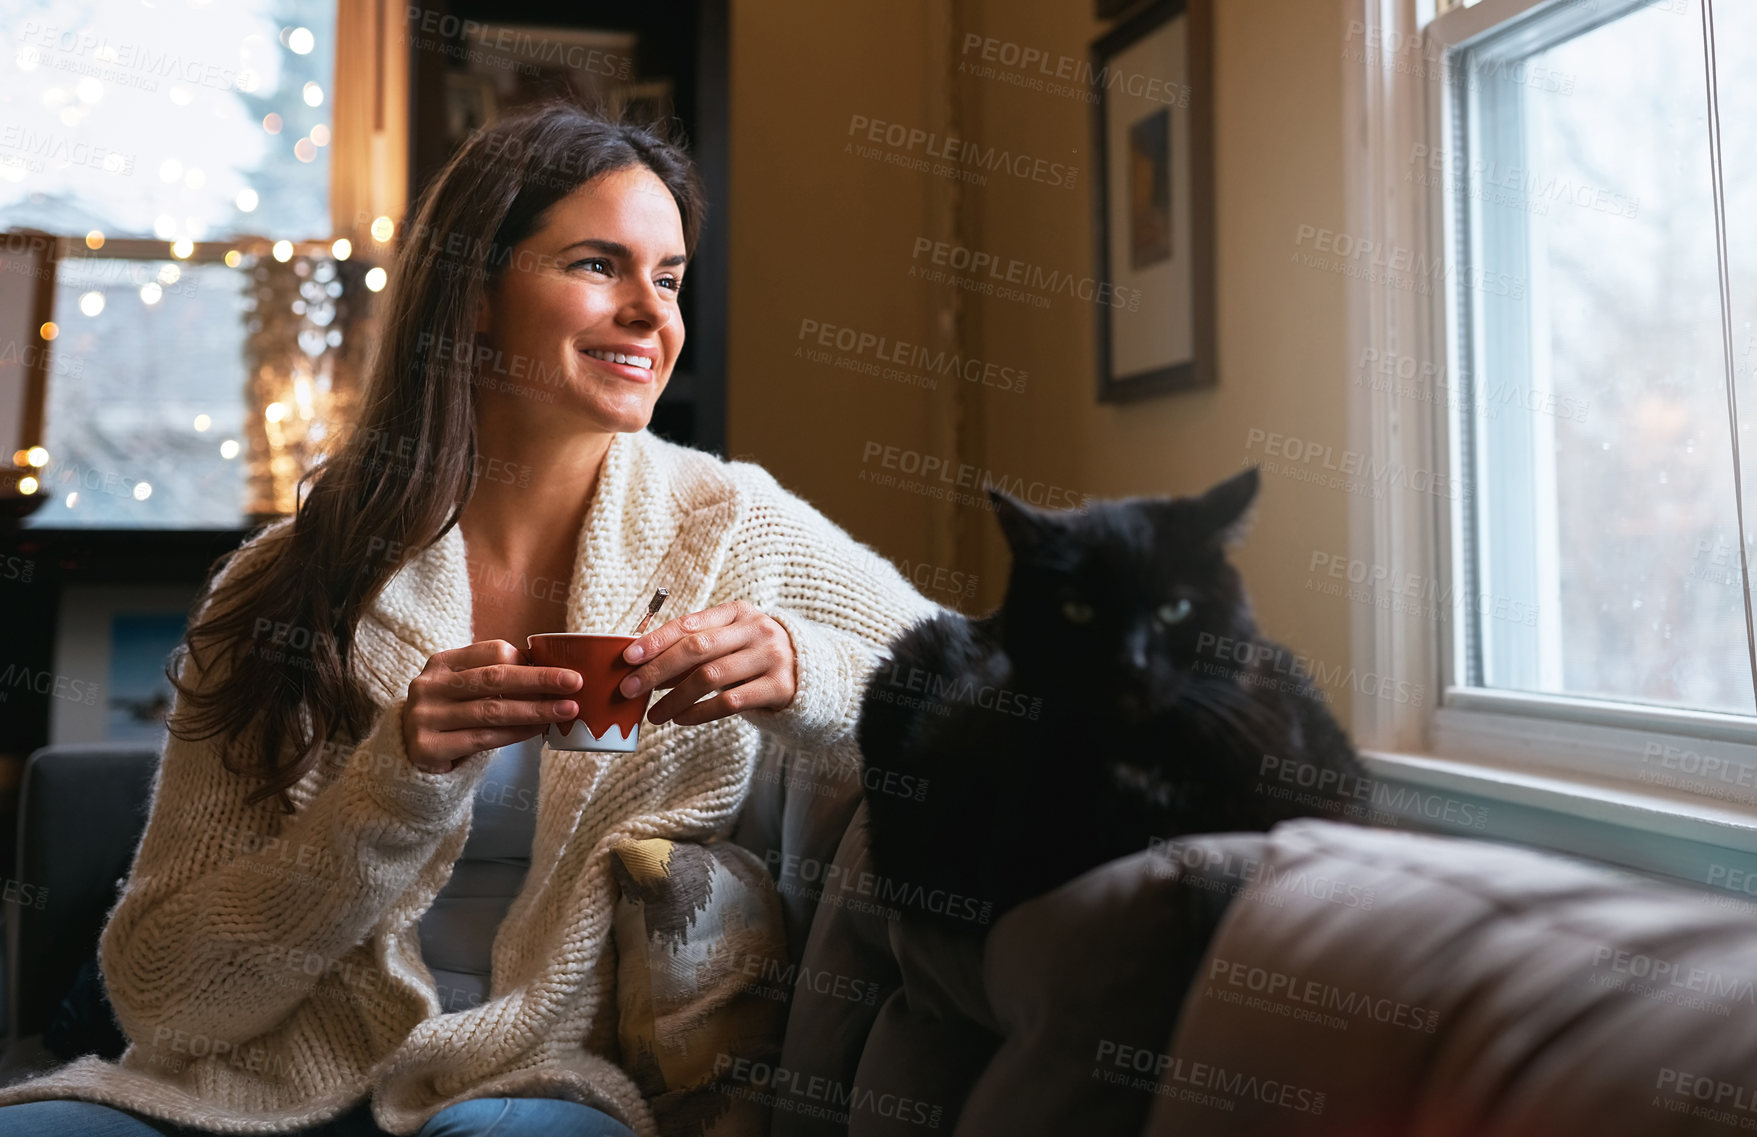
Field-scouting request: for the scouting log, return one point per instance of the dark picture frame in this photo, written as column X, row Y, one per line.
column 1153, row 205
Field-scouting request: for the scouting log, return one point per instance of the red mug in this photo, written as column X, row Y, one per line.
column 608, row 719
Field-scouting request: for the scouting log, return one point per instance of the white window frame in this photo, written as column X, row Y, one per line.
column 1545, row 756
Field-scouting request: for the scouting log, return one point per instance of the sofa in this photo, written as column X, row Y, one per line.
column 1320, row 979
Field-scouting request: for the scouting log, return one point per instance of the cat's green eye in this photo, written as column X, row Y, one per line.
column 1076, row 612
column 1174, row 613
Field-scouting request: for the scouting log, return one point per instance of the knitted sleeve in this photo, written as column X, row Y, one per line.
column 840, row 601
column 232, row 911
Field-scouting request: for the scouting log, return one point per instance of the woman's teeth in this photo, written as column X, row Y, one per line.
column 640, row 361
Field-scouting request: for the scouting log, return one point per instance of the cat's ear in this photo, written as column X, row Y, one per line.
column 1224, row 507
column 1027, row 528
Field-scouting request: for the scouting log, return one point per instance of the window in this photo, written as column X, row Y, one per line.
column 1604, row 524
column 138, row 122
column 149, row 143
column 151, row 432
column 1590, row 229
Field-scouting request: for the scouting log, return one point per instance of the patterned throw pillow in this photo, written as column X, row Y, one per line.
column 700, row 982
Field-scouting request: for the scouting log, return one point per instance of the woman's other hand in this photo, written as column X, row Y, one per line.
column 477, row 698
column 733, row 648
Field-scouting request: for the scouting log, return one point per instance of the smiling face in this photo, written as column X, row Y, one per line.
column 583, row 319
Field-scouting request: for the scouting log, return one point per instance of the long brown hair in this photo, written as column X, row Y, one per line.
column 316, row 577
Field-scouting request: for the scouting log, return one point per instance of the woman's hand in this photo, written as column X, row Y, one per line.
column 743, row 653
column 477, row 698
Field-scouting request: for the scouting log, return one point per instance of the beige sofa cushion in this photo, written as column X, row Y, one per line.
column 700, row 981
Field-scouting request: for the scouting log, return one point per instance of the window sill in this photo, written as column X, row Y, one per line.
column 1678, row 818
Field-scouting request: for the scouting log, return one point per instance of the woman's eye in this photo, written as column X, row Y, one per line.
column 599, row 264
column 1076, row 612
column 675, row 283
column 1173, row 613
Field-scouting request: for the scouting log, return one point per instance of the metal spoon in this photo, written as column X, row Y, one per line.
column 652, row 609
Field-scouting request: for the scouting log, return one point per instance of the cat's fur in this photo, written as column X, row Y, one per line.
column 1009, row 753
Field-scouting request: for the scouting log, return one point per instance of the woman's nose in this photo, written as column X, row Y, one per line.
column 646, row 308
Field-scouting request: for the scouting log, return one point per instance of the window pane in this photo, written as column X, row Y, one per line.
column 1604, row 486
column 154, row 120
column 140, row 438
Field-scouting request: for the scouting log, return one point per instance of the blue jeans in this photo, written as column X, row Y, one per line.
column 480, row 1117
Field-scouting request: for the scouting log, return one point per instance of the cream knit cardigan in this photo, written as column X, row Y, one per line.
column 265, row 967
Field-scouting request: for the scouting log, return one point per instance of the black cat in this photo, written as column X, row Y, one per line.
column 1120, row 694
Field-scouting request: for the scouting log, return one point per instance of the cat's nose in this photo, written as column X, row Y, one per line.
column 1133, row 662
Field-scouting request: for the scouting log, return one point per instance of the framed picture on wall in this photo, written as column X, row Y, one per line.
column 1154, row 201
column 111, row 648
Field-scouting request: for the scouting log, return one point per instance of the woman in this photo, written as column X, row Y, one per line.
column 273, row 957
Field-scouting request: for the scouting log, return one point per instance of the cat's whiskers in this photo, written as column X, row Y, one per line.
column 1247, row 718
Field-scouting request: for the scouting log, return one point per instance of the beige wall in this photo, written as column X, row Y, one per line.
column 815, row 230
column 820, row 234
